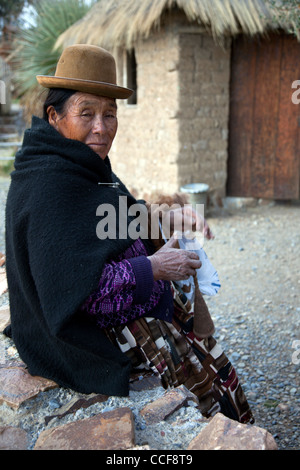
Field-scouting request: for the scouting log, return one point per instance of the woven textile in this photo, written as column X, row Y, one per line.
column 173, row 352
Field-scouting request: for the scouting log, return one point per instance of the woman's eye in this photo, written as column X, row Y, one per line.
column 86, row 114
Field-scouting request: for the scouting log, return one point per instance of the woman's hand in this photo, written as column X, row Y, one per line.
column 173, row 264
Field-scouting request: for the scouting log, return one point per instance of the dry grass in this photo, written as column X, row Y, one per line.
column 123, row 22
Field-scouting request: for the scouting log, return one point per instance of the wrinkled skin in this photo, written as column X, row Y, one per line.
column 91, row 119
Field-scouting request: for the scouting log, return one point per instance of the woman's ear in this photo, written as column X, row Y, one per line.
column 52, row 116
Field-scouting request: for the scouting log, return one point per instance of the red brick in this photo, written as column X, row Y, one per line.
column 3, row 281
column 4, row 317
column 111, row 430
column 12, row 438
column 164, row 406
column 17, row 385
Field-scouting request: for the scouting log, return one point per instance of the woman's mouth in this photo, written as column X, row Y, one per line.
column 97, row 144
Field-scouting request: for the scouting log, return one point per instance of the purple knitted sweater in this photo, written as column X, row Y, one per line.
column 127, row 291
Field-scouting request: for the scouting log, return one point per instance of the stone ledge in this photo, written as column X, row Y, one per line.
column 114, row 429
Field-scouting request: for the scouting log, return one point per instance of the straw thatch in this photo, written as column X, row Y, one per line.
column 123, row 22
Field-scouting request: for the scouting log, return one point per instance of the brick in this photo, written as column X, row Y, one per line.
column 164, row 406
column 141, row 383
column 2, row 259
column 4, row 318
column 12, row 438
column 223, row 433
column 111, row 430
column 17, row 385
column 3, row 281
column 77, row 403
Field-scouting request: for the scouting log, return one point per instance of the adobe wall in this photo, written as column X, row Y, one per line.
column 146, row 147
column 204, row 75
column 177, row 133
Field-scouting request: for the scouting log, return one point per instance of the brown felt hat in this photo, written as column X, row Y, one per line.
column 86, row 68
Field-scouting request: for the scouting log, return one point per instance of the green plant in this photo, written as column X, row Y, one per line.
column 34, row 43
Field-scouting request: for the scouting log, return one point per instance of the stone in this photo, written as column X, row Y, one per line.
column 143, row 382
column 12, row 438
column 222, row 433
column 111, row 430
column 2, row 259
column 3, row 281
column 164, row 406
column 77, row 403
column 17, row 385
column 4, row 318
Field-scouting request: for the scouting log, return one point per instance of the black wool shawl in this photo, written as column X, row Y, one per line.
column 54, row 260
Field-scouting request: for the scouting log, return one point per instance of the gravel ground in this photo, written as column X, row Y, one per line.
column 257, row 310
column 257, row 316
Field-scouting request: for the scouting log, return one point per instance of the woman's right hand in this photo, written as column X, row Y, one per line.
column 173, row 264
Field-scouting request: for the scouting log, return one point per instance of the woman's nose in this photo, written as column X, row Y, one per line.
column 99, row 125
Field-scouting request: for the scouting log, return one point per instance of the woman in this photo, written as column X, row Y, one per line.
column 86, row 310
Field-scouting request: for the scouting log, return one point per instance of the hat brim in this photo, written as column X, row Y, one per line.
column 86, row 86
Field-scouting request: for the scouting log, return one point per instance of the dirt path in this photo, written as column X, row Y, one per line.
column 257, row 310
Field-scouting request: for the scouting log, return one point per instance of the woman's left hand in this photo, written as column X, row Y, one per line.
column 187, row 219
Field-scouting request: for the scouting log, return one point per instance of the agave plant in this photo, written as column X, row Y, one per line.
column 34, row 44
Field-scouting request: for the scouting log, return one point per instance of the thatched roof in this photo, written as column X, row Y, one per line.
column 123, row 22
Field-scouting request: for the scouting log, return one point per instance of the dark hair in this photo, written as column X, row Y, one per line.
column 57, row 98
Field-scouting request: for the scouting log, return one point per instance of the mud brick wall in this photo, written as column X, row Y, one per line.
column 177, row 132
column 146, row 146
column 204, row 75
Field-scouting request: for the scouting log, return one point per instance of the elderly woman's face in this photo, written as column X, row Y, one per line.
column 91, row 119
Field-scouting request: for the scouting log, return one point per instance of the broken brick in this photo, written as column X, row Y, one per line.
column 111, row 430
column 12, row 438
column 17, row 385
column 222, row 433
column 170, row 402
